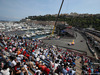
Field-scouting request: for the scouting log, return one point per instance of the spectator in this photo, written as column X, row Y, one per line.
column 5, row 70
column 17, row 69
column 37, row 72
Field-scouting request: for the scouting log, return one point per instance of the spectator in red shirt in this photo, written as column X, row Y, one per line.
column 17, row 69
column 24, row 52
column 6, row 48
column 36, row 46
column 47, row 71
column 43, row 67
column 33, row 50
column 27, row 55
column 21, row 49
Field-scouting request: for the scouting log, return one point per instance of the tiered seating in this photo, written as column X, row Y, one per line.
column 46, row 59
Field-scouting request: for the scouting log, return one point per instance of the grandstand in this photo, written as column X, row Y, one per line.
column 35, row 57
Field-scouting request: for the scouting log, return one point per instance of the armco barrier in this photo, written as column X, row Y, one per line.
column 84, row 35
column 75, row 50
column 91, row 50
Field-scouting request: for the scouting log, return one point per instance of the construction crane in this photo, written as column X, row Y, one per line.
column 57, row 18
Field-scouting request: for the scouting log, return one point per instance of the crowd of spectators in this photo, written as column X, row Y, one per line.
column 90, row 66
column 18, row 56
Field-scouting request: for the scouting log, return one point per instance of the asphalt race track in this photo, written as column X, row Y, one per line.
column 63, row 42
